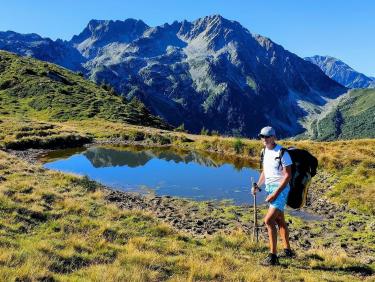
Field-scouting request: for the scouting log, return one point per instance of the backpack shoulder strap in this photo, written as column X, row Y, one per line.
column 261, row 158
column 281, row 154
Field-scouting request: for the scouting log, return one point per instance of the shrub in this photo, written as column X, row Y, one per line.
column 238, row 146
column 86, row 183
column 204, row 131
column 51, row 142
column 161, row 139
column 180, row 128
column 138, row 136
column 185, row 139
column 215, row 133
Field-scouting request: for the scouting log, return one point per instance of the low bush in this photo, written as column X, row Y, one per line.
column 51, row 142
column 238, row 146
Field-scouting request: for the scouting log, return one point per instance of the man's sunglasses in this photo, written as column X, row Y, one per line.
column 264, row 136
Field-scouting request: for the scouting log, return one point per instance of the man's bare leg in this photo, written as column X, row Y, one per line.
column 270, row 221
column 283, row 229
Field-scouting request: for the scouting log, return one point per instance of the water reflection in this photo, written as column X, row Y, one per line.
column 107, row 157
column 163, row 171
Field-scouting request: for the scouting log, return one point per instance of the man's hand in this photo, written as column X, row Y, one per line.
column 255, row 188
column 271, row 197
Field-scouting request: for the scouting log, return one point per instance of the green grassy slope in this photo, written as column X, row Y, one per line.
column 36, row 89
column 354, row 117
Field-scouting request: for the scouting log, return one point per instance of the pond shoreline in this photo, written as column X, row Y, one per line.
column 316, row 203
column 205, row 218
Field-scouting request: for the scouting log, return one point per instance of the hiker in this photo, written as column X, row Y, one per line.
column 276, row 175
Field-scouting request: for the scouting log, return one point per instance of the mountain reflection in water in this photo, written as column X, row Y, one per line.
column 164, row 171
column 107, row 157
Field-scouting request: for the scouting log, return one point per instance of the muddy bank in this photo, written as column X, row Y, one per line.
column 206, row 218
column 29, row 155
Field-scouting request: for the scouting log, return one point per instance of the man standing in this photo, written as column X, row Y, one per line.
column 275, row 174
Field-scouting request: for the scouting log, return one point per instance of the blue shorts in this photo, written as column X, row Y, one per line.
column 280, row 202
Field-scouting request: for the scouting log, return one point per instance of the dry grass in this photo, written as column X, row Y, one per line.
column 57, row 226
column 352, row 162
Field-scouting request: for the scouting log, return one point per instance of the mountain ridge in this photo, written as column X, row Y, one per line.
column 97, row 32
column 35, row 89
column 341, row 72
column 209, row 73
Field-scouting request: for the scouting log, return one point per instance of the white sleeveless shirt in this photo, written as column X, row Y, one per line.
column 273, row 172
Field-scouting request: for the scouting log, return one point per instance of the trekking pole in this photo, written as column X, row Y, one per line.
column 255, row 231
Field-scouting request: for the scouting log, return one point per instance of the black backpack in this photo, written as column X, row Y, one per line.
column 303, row 169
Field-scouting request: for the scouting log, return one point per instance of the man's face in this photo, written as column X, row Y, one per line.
column 268, row 141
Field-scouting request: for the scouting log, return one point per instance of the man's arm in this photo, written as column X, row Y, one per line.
column 259, row 183
column 287, row 176
column 261, row 179
column 284, row 182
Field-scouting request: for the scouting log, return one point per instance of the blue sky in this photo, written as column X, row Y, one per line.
column 341, row 28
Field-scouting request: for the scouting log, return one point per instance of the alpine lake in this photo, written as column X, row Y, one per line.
column 194, row 175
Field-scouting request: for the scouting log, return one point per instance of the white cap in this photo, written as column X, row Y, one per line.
column 267, row 131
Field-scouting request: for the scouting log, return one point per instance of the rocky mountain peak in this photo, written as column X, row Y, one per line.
column 210, row 73
column 213, row 31
column 213, row 20
column 327, row 60
column 341, row 72
column 99, row 33
column 99, row 29
column 11, row 35
column 33, row 45
column 207, row 25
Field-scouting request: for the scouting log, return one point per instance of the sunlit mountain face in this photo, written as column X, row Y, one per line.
column 210, row 73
